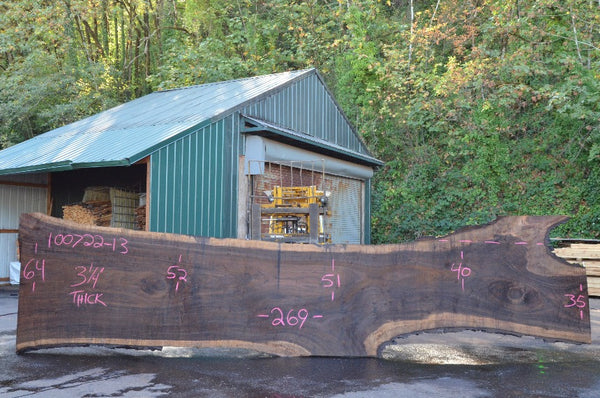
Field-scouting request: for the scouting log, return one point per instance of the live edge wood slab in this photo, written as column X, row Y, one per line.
column 85, row 285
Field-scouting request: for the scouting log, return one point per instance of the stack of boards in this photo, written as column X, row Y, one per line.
column 108, row 207
column 588, row 255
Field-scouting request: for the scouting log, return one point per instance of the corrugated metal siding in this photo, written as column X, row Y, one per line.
column 193, row 183
column 16, row 200
column 19, row 199
column 8, row 253
column 346, row 205
column 367, row 214
column 296, row 106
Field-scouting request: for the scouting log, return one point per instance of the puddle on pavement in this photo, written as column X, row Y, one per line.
column 422, row 389
column 95, row 382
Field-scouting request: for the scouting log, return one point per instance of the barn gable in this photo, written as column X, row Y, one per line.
column 302, row 113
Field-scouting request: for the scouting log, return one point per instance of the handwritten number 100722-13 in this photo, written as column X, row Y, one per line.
column 88, row 240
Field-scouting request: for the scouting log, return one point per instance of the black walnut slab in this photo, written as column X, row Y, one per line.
column 85, row 285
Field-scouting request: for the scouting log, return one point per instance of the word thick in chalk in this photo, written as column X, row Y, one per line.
column 80, row 297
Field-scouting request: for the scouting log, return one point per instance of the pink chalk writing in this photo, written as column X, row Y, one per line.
column 292, row 318
column 491, row 242
column 462, row 272
column 33, row 268
column 116, row 244
column 177, row 273
column 81, row 297
column 578, row 301
column 331, row 280
column 88, row 275
column 87, row 278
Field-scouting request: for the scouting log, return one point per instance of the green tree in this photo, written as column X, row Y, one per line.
column 480, row 108
column 496, row 102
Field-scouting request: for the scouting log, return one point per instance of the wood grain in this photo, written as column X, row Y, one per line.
column 92, row 285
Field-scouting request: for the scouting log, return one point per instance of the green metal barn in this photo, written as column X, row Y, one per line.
column 197, row 158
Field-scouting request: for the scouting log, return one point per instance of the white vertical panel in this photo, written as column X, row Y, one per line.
column 8, row 253
column 346, row 207
column 15, row 200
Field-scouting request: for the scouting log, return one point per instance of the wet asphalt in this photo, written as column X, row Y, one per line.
column 460, row 364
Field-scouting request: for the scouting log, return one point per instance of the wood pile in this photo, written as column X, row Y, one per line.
column 90, row 213
column 588, row 255
column 104, row 207
column 140, row 217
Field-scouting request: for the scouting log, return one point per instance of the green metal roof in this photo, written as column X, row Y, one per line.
column 123, row 135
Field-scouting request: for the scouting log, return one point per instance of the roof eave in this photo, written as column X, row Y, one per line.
column 47, row 167
column 310, row 143
column 63, row 166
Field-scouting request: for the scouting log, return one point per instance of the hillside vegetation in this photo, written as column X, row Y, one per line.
column 479, row 108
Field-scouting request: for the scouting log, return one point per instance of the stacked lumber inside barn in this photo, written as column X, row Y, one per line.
column 90, row 213
column 95, row 208
column 140, row 217
column 107, row 207
column 588, row 255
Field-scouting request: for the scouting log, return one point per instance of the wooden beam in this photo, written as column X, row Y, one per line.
column 255, row 222
column 93, row 285
column 313, row 228
column 24, row 184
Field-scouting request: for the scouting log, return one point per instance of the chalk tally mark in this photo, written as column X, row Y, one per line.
column 331, row 280
column 578, row 301
column 462, row 272
column 35, row 270
column 490, row 242
column 178, row 273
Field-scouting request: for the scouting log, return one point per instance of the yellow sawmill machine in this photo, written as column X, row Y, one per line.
column 296, row 214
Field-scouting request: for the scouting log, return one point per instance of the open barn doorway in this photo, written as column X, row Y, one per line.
column 104, row 196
